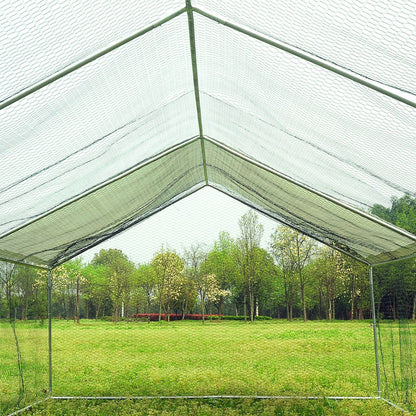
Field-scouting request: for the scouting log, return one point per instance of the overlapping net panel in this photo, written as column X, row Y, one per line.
column 316, row 126
column 107, row 210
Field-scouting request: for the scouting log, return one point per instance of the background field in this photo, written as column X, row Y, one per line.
column 96, row 358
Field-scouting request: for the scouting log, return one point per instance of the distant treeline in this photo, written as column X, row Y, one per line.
column 295, row 277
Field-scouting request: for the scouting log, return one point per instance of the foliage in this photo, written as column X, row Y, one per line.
column 396, row 283
column 221, row 263
column 401, row 213
column 170, row 279
column 119, row 271
column 194, row 257
column 248, row 256
column 293, row 251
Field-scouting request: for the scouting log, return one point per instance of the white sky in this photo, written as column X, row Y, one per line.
column 197, row 218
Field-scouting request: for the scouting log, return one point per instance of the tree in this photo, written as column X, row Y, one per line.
column 61, row 289
column 247, row 256
column 187, row 295
column 221, row 262
column 265, row 282
column 355, row 283
column 75, row 279
column 304, row 249
column 195, row 256
column 96, row 286
column 402, row 212
column 212, row 290
column 145, row 280
column 293, row 251
column 169, row 270
column 120, row 271
column 327, row 269
column 394, row 283
column 7, row 281
column 284, row 259
column 25, row 286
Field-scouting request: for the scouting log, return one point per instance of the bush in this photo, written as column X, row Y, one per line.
column 110, row 318
column 192, row 316
column 172, row 316
column 241, row 318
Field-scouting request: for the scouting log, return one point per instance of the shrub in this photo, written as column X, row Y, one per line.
column 172, row 316
column 241, row 318
column 192, row 316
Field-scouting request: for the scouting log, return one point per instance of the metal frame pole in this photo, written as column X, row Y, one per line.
column 50, row 330
column 373, row 307
column 392, row 92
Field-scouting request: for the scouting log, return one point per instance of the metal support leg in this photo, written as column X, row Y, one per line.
column 50, row 330
column 373, row 307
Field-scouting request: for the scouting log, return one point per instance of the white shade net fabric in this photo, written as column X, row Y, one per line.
column 110, row 112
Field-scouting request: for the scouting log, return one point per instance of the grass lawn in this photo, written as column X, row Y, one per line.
column 276, row 358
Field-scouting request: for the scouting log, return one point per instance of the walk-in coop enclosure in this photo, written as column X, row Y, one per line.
column 113, row 111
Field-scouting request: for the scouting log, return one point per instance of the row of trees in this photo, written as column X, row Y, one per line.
column 294, row 277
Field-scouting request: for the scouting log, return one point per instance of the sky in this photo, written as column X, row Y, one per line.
column 199, row 218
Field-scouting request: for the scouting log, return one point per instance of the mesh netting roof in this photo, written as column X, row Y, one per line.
column 111, row 111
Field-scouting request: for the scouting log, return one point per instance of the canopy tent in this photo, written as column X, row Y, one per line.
column 112, row 111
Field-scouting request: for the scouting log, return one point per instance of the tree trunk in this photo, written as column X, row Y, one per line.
column 251, row 298
column 148, row 309
column 116, row 312
column 203, row 309
column 221, row 301
column 77, row 302
column 126, row 309
column 414, row 308
column 26, row 309
column 245, row 307
column 329, row 310
column 184, row 309
column 302, row 289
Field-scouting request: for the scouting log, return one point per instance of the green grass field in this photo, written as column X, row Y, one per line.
column 275, row 358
